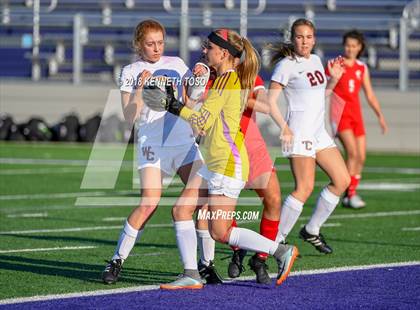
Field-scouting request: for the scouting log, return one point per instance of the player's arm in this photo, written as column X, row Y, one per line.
column 274, row 92
column 204, row 118
column 286, row 136
column 260, row 102
column 373, row 101
column 132, row 102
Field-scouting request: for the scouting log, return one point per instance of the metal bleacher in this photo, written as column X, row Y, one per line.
column 111, row 22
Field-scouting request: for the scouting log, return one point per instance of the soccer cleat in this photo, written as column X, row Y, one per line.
column 355, row 202
column 209, row 273
column 236, row 267
column 259, row 266
column 112, row 271
column 317, row 241
column 183, row 283
column 285, row 263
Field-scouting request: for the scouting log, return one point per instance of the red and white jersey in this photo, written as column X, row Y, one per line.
column 159, row 128
column 349, row 85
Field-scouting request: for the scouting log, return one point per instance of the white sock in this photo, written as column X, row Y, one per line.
column 187, row 243
column 290, row 212
column 128, row 238
column 325, row 205
column 206, row 245
column 247, row 239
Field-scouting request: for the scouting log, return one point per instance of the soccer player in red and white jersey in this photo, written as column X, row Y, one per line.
column 350, row 127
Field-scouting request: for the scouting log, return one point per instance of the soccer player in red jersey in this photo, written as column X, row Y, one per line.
column 350, row 127
column 262, row 179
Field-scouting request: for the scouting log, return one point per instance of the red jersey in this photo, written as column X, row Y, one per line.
column 249, row 117
column 348, row 86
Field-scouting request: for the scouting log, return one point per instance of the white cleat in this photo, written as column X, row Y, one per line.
column 355, row 202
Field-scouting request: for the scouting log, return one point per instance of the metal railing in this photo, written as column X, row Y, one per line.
column 409, row 21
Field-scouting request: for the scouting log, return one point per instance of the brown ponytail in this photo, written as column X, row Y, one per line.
column 249, row 63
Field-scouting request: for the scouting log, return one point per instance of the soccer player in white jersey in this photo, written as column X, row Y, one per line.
column 306, row 142
column 166, row 144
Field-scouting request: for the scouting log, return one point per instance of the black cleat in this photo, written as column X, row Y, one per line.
column 209, row 273
column 317, row 241
column 112, row 271
column 260, row 268
column 236, row 267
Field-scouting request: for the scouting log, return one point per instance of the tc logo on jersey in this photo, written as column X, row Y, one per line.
column 147, row 152
column 359, row 74
column 308, row 145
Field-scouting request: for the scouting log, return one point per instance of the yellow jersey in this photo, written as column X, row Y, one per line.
column 219, row 117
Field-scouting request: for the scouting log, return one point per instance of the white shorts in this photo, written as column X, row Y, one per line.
column 167, row 158
column 309, row 137
column 219, row 184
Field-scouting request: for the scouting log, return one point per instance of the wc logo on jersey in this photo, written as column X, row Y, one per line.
column 359, row 74
column 147, row 153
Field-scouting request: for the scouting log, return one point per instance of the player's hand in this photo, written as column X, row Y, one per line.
column 336, row 67
column 200, row 69
column 196, row 85
column 383, row 124
column 142, row 78
column 173, row 105
column 286, row 139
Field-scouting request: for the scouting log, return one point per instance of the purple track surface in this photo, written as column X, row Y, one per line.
column 383, row 288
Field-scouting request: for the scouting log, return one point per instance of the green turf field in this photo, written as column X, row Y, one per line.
column 55, row 236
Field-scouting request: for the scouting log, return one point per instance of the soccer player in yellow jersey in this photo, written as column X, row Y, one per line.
column 226, row 171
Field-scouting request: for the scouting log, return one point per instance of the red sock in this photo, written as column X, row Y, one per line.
column 268, row 229
column 354, row 182
column 234, row 224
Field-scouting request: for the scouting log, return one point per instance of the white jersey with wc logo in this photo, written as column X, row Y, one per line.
column 304, row 84
column 159, row 128
column 165, row 141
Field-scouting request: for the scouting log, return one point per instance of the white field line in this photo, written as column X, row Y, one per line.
column 410, row 229
column 13, row 172
column 62, row 195
column 113, row 219
column 132, row 201
column 64, row 162
column 154, row 287
column 70, row 162
column 364, row 186
column 76, row 229
column 27, row 215
column 304, row 218
column 382, row 186
column 48, row 249
column 331, row 225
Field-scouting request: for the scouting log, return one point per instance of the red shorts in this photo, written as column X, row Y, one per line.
column 259, row 161
column 352, row 121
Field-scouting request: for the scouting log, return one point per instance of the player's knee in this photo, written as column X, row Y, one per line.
column 182, row 212
column 352, row 154
column 272, row 200
column 342, row 183
column 218, row 235
column 304, row 191
column 146, row 209
column 361, row 158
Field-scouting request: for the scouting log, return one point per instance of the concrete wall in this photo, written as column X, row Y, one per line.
column 53, row 100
